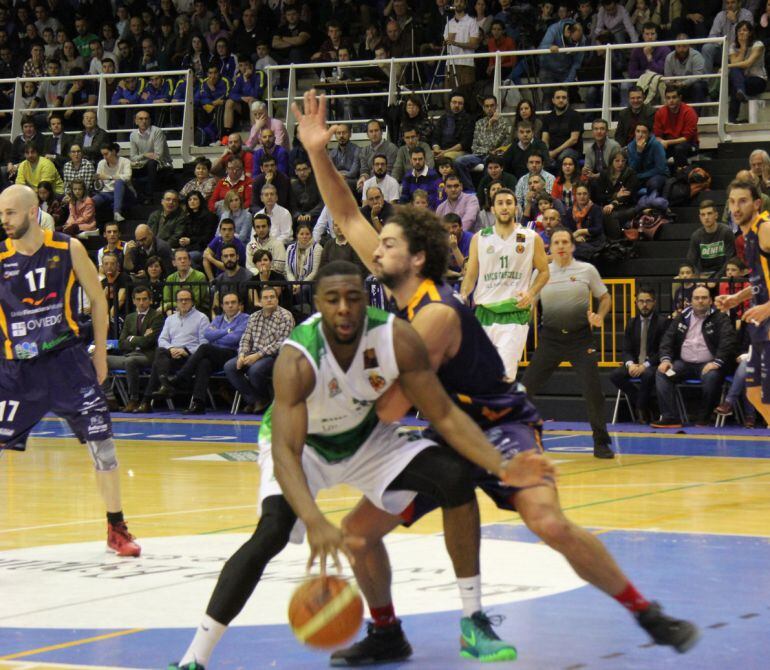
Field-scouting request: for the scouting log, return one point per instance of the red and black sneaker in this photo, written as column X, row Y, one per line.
column 121, row 541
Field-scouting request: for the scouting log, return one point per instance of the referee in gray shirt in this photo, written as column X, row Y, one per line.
column 566, row 331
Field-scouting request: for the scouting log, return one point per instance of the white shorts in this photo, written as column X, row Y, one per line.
column 371, row 469
column 509, row 340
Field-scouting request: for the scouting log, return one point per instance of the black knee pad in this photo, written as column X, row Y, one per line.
column 243, row 570
column 440, row 474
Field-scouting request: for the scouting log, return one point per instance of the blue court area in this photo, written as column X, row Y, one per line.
column 577, row 629
column 564, row 437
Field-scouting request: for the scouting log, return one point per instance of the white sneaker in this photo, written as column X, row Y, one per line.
column 119, row 217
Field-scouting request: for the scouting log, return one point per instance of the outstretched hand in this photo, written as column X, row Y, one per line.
column 313, row 131
column 527, row 468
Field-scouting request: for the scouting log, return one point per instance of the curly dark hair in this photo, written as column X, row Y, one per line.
column 423, row 232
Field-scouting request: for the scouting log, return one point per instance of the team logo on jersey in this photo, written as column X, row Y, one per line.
column 53, row 262
column 36, row 303
column 521, row 238
column 334, row 388
column 519, row 248
column 19, row 329
column 377, row 381
column 490, row 249
column 26, row 350
column 370, row 359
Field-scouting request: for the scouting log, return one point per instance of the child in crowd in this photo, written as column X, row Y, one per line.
column 683, row 292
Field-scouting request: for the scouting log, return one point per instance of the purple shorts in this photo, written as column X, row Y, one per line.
column 63, row 382
column 509, row 439
column 758, row 368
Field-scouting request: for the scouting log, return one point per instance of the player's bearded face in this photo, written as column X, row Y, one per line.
column 18, row 231
column 391, row 257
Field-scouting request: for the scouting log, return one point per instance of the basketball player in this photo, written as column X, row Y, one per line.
column 44, row 365
column 501, row 262
column 744, row 202
column 409, row 259
column 323, row 430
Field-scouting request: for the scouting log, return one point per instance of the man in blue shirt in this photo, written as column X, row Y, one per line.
column 221, row 344
column 180, row 338
column 210, row 102
column 270, row 148
column 212, row 255
column 246, row 89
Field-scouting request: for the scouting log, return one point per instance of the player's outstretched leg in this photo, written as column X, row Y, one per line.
column 105, row 460
column 454, row 493
column 540, row 510
column 238, row 579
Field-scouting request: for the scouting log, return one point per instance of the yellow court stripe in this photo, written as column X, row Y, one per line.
column 73, row 643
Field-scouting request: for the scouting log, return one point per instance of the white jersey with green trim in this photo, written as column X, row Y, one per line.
column 341, row 411
column 505, row 267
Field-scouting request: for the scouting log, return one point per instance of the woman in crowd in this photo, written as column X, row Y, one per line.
column 51, row 203
column 525, row 110
column 82, row 212
column 113, row 181
column 70, row 59
column 202, row 180
column 584, row 219
column 415, row 117
column 303, row 259
column 225, row 59
column 197, row 58
column 154, row 280
column 202, row 224
column 615, row 192
column 748, row 76
column 564, row 186
column 232, row 208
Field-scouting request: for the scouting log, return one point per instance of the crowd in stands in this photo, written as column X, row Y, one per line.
column 201, row 288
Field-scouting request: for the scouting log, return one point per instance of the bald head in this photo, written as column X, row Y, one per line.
column 143, row 235
column 19, row 194
column 18, row 210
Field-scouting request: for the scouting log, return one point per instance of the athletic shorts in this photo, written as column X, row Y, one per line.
column 509, row 340
column 509, row 439
column 62, row 382
column 377, row 462
column 758, row 368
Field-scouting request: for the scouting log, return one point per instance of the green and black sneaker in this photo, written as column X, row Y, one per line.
column 186, row 666
column 479, row 642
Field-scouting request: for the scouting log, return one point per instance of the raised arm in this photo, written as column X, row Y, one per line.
column 334, row 190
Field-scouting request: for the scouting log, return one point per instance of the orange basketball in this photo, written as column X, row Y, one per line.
column 325, row 612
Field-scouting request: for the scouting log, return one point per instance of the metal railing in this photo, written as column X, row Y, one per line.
column 393, row 88
column 610, row 335
column 104, row 105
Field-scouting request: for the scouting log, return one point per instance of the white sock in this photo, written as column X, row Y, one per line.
column 206, row 638
column 470, row 592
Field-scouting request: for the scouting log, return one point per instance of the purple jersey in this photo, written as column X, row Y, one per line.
column 758, row 262
column 475, row 376
column 38, row 298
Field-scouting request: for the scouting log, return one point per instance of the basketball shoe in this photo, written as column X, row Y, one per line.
column 382, row 644
column 121, row 541
column 681, row 635
column 186, row 666
column 478, row 641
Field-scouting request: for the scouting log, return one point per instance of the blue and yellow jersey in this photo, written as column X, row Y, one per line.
column 758, row 262
column 475, row 376
column 38, row 298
